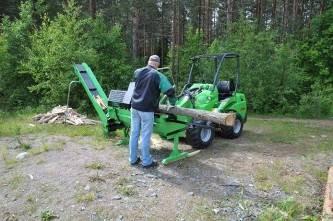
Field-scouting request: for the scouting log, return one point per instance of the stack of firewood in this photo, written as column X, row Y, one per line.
column 61, row 114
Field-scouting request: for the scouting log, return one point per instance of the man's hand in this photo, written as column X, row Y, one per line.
column 169, row 106
column 172, row 100
column 171, row 103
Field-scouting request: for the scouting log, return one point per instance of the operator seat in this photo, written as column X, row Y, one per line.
column 225, row 89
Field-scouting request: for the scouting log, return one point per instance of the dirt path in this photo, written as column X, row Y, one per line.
column 78, row 178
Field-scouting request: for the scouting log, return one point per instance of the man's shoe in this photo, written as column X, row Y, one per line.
column 153, row 164
column 136, row 162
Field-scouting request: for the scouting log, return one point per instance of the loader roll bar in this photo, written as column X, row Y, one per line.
column 219, row 60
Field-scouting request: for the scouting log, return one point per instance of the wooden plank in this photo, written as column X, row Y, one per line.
column 45, row 119
column 328, row 200
column 53, row 119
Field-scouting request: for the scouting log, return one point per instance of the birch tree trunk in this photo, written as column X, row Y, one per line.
column 227, row 119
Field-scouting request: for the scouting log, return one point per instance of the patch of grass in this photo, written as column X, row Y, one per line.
column 277, row 174
column 326, row 145
column 99, row 143
column 267, row 176
column 128, row 190
column 39, row 150
column 122, row 181
column 61, row 145
column 123, row 187
column 46, row 147
column 262, row 179
column 7, row 216
column 40, row 161
column 95, row 165
column 318, row 172
column 281, row 139
column 19, row 124
column 17, row 130
column 103, row 213
column 85, row 197
column 293, row 184
column 15, row 181
column 9, row 162
column 46, row 189
column 202, row 210
column 30, row 205
column 48, row 215
column 284, row 131
column 286, row 210
column 30, row 199
column 320, row 175
column 22, row 145
column 316, row 143
column 96, row 178
column 25, row 146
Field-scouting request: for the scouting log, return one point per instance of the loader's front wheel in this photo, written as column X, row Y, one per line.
column 233, row 131
column 200, row 134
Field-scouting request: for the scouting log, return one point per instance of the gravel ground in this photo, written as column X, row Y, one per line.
column 77, row 178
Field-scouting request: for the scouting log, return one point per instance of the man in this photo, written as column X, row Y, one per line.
column 149, row 83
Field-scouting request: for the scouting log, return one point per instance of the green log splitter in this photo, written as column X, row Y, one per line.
column 217, row 95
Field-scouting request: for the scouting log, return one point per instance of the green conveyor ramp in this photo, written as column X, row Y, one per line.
column 94, row 91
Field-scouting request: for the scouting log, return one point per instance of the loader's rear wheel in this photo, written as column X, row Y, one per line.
column 200, row 134
column 234, row 131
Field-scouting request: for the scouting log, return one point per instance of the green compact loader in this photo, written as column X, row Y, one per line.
column 215, row 95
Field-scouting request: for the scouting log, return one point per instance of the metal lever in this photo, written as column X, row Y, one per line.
column 68, row 94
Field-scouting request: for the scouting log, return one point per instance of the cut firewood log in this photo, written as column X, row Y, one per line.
column 60, row 110
column 227, row 119
column 77, row 121
column 100, row 102
column 53, row 119
column 45, row 119
column 37, row 117
column 62, row 114
column 70, row 122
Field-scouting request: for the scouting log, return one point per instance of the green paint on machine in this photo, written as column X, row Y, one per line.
column 221, row 96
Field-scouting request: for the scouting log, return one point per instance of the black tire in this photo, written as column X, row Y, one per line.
column 200, row 137
column 234, row 131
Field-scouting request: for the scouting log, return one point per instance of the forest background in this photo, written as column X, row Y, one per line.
column 286, row 48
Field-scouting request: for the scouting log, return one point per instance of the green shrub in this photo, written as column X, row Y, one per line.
column 54, row 49
column 316, row 55
column 318, row 103
column 73, row 38
column 14, row 40
column 113, row 64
